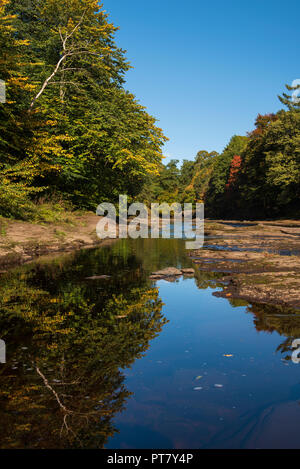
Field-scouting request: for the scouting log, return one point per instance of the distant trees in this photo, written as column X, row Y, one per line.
column 259, row 175
column 269, row 183
column 256, row 176
column 263, row 177
column 203, row 168
column 234, row 172
column 184, row 184
column 215, row 195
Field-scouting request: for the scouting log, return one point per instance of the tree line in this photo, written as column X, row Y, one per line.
column 69, row 130
column 255, row 176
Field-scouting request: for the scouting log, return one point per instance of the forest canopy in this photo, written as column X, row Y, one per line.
column 69, row 129
column 71, row 132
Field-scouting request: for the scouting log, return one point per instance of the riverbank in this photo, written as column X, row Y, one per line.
column 260, row 260
column 22, row 242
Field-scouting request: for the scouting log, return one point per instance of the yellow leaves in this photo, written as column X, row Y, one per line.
column 71, row 24
column 52, row 346
column 23, row 42
column 139, row 160
column 32, row 387
column 3, row 4
column 52, row 324
column 7, row 17
column 55, row 300
column 36, row 64
column 51, row 123
column 26, row 427
column 19, row 82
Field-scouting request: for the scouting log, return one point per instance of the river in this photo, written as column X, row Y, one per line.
column 124, row 362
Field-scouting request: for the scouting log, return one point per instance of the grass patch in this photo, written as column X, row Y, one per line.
column 3, row 226
column 49, row 212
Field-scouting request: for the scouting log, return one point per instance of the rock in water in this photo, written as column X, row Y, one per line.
column 188, row 271
column 168, row 272
column 99, row 277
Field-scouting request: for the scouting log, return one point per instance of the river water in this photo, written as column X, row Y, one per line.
column 124, row 362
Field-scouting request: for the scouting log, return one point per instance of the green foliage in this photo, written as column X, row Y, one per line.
column 69, row 127
column 256, row 176
column 186, row 184
column 270, row 178
column 14, row 200
column 204, row 165
column 216, row 204
column 18, row 166
column 291, row 101
column 259, row 176
column 70, row 130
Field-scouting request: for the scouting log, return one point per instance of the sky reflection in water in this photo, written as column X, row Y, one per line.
column 213, row 376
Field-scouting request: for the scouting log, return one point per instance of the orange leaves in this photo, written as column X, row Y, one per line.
column 234, row 170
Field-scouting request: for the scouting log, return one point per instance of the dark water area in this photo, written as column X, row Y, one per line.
column 123, row 362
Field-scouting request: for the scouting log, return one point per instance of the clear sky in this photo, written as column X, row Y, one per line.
column 206, row 68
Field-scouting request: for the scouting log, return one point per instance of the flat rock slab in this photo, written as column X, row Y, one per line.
column 188, row 271
column 171, row 274
column 172, row 278
column 99, row 277
column 168, row 272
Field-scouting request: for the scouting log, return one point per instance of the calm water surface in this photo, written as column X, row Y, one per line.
column 124, row 362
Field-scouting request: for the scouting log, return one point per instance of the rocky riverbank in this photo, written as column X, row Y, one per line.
column 22, row 242
column 260, row 260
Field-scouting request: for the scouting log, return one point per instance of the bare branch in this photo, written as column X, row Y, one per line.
column 46, row 382
column 61, row 60
column 75, row 28
column 46, row 82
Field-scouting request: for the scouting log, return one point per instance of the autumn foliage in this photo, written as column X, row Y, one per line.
column 69, row 129
column 234, row 170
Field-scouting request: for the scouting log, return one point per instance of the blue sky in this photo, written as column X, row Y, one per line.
column 205, row 69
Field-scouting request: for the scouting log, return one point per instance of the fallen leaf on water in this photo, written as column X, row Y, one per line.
column 198, row 389
column 199, row 377
column 227, row 355
column 218, row 385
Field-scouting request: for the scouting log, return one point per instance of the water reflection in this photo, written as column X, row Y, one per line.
column 73, row 349
column 285, row 321
column 67, row 341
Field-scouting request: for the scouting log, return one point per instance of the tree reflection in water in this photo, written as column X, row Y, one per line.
column 68, row 340
column 285, row 321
